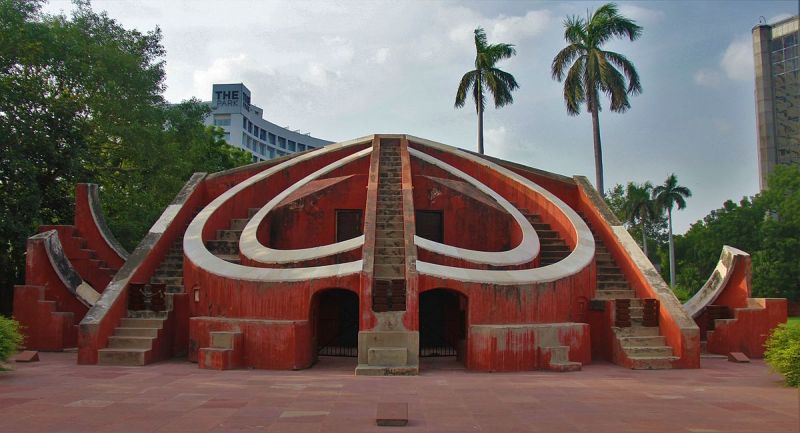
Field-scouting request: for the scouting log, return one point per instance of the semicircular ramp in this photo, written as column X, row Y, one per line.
column 196, row 251
column 728, row 259
column 524, row 252
column 252, row 248
column 578, row 259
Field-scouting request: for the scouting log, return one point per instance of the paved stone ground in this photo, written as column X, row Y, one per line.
column 56, row 395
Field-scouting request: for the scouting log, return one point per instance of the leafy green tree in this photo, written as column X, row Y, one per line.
column 640, row 208
column 81, row 100
column 655, row 228
column 487, row 77
column 776, row 268
column 586, row 69
column 667, row 196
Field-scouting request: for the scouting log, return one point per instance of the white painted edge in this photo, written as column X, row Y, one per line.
column 525, row 252
column 713, row 286
column 195, row 250
column 166, row 217
column 577, row 260
column 87, row 294
column 251, row 248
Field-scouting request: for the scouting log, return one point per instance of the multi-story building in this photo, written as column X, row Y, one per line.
column 777, row 66
column 245, row 127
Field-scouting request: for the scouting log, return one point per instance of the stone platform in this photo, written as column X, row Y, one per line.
column 56, row 395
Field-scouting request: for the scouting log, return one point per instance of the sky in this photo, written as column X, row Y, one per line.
column 345, row 69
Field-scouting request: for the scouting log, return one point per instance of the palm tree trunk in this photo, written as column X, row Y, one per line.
column 480, row 130
column 644, row 240
column 598, row 151
column 671, row 251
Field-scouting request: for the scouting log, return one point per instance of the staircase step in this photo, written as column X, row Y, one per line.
column 239, row 223
column 615, row 294
column 644, row 341
column 110, row 356
column 648, row 351
column 636, row 331
column 130, row 342
column 229, row 235
column 136, row 332
column 130, row 322
column 652, row 362
column 388, row 271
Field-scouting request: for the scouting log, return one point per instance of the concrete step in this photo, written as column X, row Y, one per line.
column 136, row 332
column 396, row 224
column 648, row 351
column 389, row 243
column 130, row 342
column 612, row 285
column 110, row 356
column 643, row 341
column 636, row 331
column 395, row 234
column 223, row 247
column 130, row 322
column 239, row 223
column 652, row 362
column 229, row 235
column 177, row 281
column 388, row 271
column 615, row 294
column 385, row 259
column 391, row 251
column 174, row 288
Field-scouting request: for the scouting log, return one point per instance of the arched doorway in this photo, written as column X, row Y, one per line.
column 442, row 324
column 334, row 314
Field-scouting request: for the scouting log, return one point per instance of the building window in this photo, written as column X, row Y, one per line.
column 301, row 147
column 255, row 131
column 272, row 139
column 282, row 143
column 292, row 146
column 244, row 140
column 222, row 120
column 244, row 123
column 263, row 135
column 249, row 127
column 262, row 148
column 227, row 136
column 271, row 153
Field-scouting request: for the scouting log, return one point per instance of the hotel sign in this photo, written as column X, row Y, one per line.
column 231, row 97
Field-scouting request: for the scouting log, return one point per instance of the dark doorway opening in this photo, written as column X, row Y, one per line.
column 442, row 323
column 336, row 327
column 430, row 224
column 349, row 224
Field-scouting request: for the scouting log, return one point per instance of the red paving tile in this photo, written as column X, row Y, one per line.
column 56, row 395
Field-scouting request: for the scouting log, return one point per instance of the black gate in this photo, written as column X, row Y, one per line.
column 441, row 323
column 337, row 329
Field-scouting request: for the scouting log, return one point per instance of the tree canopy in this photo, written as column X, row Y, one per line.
column 81, row 100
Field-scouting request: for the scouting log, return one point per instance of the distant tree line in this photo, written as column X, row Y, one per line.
column 81, row 100
column 766, row 225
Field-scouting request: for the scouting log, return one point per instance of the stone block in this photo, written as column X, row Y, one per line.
column 387, row 356
column 27, row 356
column 392, row 414
column 738, row 357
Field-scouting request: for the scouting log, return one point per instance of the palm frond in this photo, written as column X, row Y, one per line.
column 480, row 39
column 500, row 85
column 612, row 83
column 467, row 81
column 574, row 91
column 575, row 30
column 564, row 58
column 634, row 86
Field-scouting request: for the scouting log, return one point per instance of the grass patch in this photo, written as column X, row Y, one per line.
column 794, row 321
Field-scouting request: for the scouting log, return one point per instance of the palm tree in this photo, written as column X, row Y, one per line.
column 587, row 70
column 486, row 76
column 640, row 207
column 667, row 196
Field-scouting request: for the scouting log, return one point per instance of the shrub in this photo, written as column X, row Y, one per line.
column 783, row 352
column 10, row 337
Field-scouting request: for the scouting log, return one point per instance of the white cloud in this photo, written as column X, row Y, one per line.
column 515, row 28
column 640, row 14
column 221, row 70
column 381, row 55
column 737, row 61
column 707, row 77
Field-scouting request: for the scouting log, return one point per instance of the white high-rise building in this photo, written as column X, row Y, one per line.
column 245, row 127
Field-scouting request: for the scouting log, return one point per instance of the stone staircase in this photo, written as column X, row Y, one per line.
column 141, row 336
column 644, row 348
column 226, row 245
column 94, row 271
column 553, row 247
column 389, row 292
